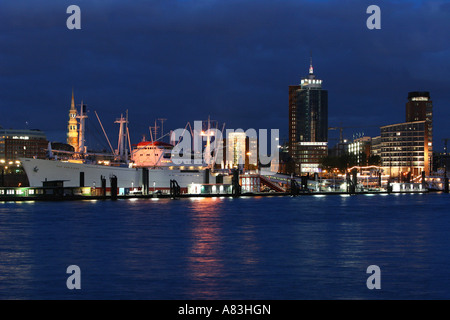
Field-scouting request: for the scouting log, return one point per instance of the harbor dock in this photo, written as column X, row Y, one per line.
column 59, row 193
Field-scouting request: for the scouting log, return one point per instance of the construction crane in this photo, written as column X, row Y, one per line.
column 341, row 130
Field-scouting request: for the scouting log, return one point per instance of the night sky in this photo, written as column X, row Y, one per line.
column 232, row 60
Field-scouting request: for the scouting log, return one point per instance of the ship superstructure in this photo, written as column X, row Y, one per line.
column 148, row 165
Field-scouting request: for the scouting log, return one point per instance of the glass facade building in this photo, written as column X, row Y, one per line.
column 420, row 108
column 308, row 123
column 404, row 148
column 407, row 148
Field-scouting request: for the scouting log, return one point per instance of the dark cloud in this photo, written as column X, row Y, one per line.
column 231, row 60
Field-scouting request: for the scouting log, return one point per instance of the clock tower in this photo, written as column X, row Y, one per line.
column 72, row 127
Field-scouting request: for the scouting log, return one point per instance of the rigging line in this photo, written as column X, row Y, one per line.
column 94, row 134
column 112, row 150
column 129, row 143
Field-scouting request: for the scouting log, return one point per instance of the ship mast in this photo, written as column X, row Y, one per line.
column 82, row 117
column 122, row 151
column 208, row 144
column 210, row 157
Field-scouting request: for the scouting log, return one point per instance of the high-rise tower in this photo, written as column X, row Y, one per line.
column 420, row 108
column 72, row 127
column 308, row 123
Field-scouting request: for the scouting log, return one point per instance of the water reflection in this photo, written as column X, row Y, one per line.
column 205, row 266
column 15, row 251
column 206, row 248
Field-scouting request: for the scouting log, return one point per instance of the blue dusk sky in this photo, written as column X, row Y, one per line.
column 232, row 60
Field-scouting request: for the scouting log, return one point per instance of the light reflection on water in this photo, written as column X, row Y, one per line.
column 205, row 266
column 223, row 248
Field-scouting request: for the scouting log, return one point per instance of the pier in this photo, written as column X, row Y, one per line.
column 238, row 184
column 56, row 192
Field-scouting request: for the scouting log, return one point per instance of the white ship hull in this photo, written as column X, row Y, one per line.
column 40, row 170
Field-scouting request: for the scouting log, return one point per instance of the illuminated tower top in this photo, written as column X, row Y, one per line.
column 310, row 81
column 72, row 104
column 72, row 127
column 311, row 69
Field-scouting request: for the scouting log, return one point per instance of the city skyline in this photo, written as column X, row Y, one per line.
column 187, row 60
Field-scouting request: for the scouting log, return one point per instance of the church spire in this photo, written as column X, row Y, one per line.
column 72, row 126
column 72, row 105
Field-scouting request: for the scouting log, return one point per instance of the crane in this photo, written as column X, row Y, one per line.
column 341, row 130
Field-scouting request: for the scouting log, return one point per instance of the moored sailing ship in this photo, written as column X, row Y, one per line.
column 148, row 166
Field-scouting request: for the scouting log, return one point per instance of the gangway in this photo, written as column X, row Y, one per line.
column 272, row 185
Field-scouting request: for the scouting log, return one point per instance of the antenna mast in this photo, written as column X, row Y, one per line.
column 81, row 139
column 121, row 150
column 162, row 126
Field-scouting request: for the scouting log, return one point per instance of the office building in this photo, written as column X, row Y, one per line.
column 241, row 151
column 420, row 108
column 308, row 123
column 404, row 149
column 375, row 148
column 15, row 144
column 407, row 148
column 360, row 147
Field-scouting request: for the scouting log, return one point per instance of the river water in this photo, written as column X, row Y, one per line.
column 271, row 248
